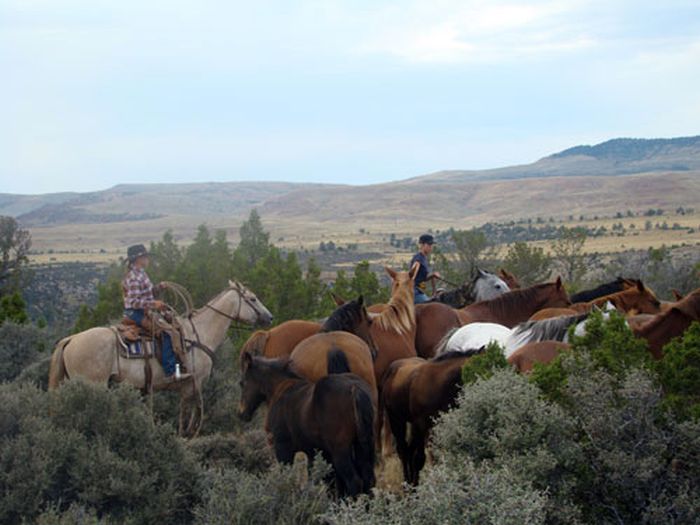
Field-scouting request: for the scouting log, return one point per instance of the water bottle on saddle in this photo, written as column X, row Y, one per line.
column 139, row 301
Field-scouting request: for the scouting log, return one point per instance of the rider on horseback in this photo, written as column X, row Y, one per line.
column 138, row 298
column 425, row 248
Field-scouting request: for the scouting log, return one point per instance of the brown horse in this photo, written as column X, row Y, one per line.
column 414, row 392
column 433, row 321
column 335, row 415
column 638, row 300
column 515, row 307
column 280, row 340
column 669, row 324
column 510, row 279
column 525, row 357
column 347, row 329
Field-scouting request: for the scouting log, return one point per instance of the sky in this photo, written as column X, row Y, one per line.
column 97, row 93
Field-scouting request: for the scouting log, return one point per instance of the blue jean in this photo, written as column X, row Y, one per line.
column 137, row 315
column 419, row 297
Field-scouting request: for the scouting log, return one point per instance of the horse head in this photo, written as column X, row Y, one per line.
column 352, row 317
column 246, row 306
column 487, row 286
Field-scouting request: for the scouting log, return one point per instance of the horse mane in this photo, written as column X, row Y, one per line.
column 440, row 347
column 599, row 291
column 553, row 329
column 513, row 300
column 453, row 354
column 400, row 314
column 255, row 345
column 344, row 318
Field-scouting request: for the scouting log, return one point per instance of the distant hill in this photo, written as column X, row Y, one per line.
column 616, row 175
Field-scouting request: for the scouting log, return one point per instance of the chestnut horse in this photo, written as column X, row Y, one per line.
column 638, row 299
column 670, row 323
column 510, row 279
column 525, row 357
column 334, row 415
column 433, row 321
column 414, row 392
column 516, row 306
column 280, row 340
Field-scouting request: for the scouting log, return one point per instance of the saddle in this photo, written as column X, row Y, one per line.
column 145, row 341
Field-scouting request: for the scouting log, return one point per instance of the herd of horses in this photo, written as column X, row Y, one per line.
column 371, row 379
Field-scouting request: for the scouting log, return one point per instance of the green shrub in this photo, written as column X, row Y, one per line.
column 630, row 451
column 679, row 374
column 248, row 451
column 608, row 345
column 20, row 345
column 482, row 366
column 456, row 494
column 91, row 446
column 503, row 423
column 282, row 495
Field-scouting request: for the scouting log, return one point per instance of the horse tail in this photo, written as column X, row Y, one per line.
column 442, row 345
column 57, row 370
column 338, row 362
column 255, row 345
column 363, row 446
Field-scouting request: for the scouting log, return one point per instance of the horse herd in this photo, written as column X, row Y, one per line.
column 373, row 378
column 410, row 359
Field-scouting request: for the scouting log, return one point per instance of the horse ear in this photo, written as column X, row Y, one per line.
column 481, row 272
column 678, row 295
column 640, row 285
column 339, row 301
column 246, row 359
column 360, row 300
column 391, row 272
column 231, row 283
column 558, row 282
column 414, row 270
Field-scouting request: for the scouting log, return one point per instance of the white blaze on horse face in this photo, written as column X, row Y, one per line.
column 489, row 286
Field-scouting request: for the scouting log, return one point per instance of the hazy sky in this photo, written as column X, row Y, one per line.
column 95, row 93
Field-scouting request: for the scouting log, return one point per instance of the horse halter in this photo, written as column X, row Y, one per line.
column 241, row 299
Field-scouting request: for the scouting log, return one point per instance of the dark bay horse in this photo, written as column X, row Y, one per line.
column 280, row 340
column 634, row 300
column 516, row 306
column 414, row 392
column 335, row 415
column 615, row 286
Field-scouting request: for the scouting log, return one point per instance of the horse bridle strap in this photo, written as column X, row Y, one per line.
column 224, row 314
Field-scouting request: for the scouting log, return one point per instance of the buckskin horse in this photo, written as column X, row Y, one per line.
column 334, row 415
column 94, row 353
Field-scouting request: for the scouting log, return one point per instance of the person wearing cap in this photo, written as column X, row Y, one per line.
column 425, row 248
column 138, row 299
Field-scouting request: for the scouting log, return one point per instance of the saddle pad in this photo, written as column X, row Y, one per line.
column 142, row 349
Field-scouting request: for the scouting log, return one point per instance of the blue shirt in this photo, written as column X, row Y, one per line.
column 423, row 271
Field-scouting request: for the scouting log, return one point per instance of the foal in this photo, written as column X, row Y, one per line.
column 334, row 415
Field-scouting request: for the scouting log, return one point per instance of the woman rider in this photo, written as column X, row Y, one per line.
column 425, row 248
column 138, row 298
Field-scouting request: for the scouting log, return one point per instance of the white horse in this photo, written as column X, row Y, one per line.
column 94, row 353
column 488, row 286
column 477, row 335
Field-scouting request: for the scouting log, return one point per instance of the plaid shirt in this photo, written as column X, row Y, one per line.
column 138, row 289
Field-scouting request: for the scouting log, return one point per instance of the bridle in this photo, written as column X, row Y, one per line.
column 235, row 319
column 241, row 299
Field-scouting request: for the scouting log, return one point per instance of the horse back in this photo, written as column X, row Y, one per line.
column 435, row 387
column 433, row 321
column 525, row 357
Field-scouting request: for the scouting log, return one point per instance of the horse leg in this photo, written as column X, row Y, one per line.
column 419, row 433
column 348, row 479
column 398, row 429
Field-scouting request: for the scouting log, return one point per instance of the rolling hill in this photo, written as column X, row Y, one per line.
column 616, row 175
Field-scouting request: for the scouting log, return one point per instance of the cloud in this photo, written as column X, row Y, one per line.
column 475, row 31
